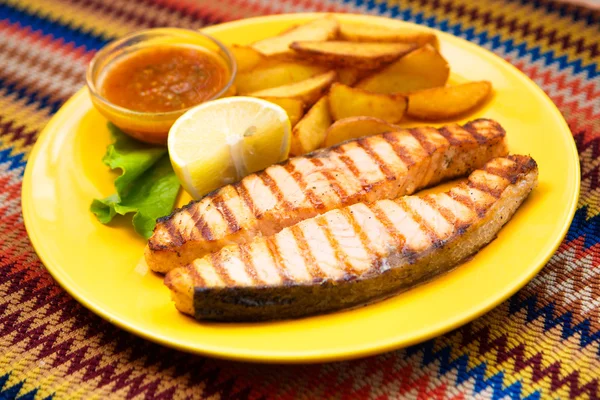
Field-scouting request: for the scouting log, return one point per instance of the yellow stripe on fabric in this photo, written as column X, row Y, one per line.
column 517, row 332
column 28, row 116
column 538, row 19
column 589, row 197
column 40, row 373
column 76, row 16
column 35, row 374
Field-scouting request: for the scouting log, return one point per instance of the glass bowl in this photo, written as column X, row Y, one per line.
column 151, row 127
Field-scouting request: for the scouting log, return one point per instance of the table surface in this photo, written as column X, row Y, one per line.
column 544, row 342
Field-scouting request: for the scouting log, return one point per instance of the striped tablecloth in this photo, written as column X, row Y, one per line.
column 544, row 342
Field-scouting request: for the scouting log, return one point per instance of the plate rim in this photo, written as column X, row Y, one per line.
column 297, row 357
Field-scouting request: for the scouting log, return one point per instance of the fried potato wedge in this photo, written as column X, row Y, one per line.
column 355, row 127
column 320, row 29
column 308, row 90
column 349, row 76
column 375, row 33
column 272, row 73
column 367, row 55
column 345, row 102
column 423, row 68
column 309, row 134
column 293, row 107
column 447, row 102
column 246, row 57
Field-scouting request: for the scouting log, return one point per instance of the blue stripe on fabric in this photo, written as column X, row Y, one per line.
column 561, row 9
column 587, row 228
column 461, row 364
column 482, row 38
column 464, row 373
column 14, row 161
column 31, row 98
column 12, row 392
column 69, row 34
column 547, row 312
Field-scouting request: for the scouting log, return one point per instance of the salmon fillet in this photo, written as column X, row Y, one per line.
column 364, row 170
column 354, row 255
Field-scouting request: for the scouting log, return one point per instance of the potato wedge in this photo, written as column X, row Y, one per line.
column 320, row 29
column 273, row 73
column 345, row 102
column 349, row 76
column 309, row 134
column 293, row 107
column 423, row 68
column 367, row 55
column 355, row 127
column 375, row 33
column 308, row 90
column 246, row 57
column 447, row 102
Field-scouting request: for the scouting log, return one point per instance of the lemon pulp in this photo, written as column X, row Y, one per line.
column 221, row 141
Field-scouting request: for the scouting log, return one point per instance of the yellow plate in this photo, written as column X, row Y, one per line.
column 101, row 265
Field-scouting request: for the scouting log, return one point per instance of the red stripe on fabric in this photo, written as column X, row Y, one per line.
column 47, row 42
column 207, row 10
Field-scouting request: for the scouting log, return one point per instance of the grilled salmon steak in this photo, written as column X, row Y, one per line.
column 364, row 170
column 356, row 254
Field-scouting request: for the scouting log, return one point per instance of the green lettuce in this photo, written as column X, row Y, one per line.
column 147, row 185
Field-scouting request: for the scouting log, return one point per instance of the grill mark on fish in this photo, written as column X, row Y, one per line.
column 339, row 190
column 444, row 212
column 310, row 195
column 347, row 161
column 194, row 233
column 502, row 172
column 523, row 163
column 467, row 202
column 274, row 188
column 388, row 225
column 445, row 132
column 196, row 277
column 227, row 214
column 202, row 226
column 278, row 261
column 220, row 270
column 365, row 144
column 316, row 162
column 358, row 231
column 205, row 229
column 418, row 134
column 174, row 233
column 340, row 256
column 306, row 253
column 478, row 136
column 249, row 267
column 245, row 195
column 399, row 149
column 495, row 193
column 425, row 227
column 487, row 128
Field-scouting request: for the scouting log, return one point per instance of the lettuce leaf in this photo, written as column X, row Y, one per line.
column 147, row 185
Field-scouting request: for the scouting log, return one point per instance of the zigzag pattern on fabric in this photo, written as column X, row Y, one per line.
column 498, row 356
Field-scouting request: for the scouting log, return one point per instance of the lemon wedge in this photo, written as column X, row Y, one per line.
column 221, row 141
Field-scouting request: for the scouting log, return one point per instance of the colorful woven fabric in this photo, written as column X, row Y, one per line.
column 544, row 342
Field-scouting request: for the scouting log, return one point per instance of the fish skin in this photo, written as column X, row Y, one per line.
column 354, row 255
column 363, row 170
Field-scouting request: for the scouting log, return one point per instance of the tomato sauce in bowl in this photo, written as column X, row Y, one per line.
column 164, row 78
column 143, row 82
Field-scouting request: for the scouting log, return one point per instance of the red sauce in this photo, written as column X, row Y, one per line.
column 164, row 78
